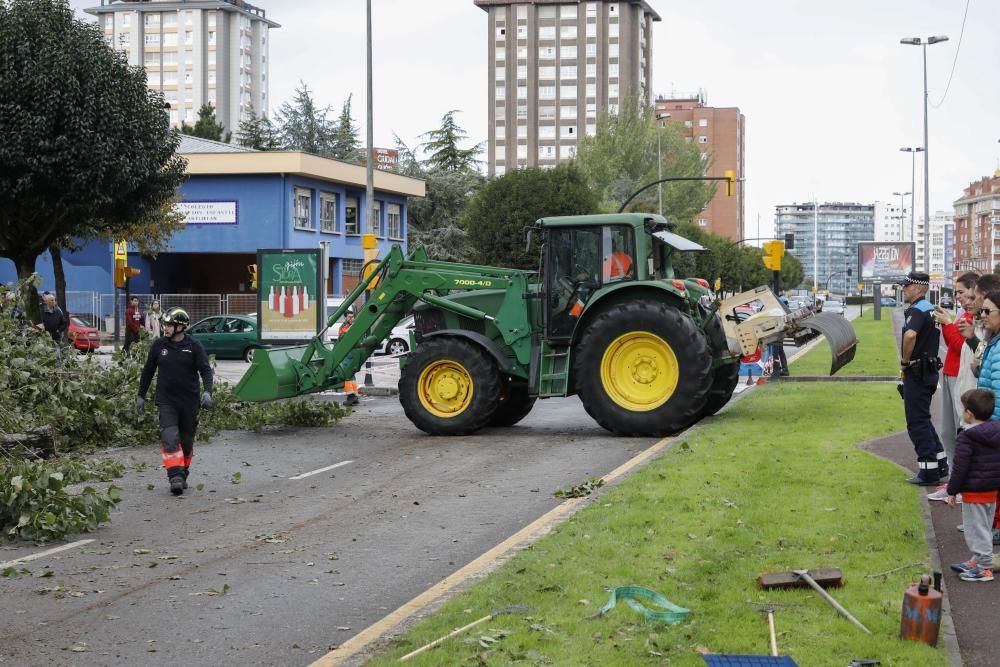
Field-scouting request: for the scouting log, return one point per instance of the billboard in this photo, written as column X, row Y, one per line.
column 884, row 262
column 290, row 285
column 385, row 159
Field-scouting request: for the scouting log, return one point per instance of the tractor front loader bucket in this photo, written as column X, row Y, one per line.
column 838, row 333
column 272, row 375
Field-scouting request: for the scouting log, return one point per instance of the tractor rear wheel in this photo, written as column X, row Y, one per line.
column 643, row 369
column 449, row 386
column 724, row 377
column 515, row 403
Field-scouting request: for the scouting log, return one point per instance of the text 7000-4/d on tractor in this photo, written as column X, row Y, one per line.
column 604, row 318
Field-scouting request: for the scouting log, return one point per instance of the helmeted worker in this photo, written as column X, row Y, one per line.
column 351, row 383
column 180, row 359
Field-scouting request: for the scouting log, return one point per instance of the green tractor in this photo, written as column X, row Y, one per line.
column 604, row 318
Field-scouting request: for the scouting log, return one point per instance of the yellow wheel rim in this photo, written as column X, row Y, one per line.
column 639, row 371
column 445, row 388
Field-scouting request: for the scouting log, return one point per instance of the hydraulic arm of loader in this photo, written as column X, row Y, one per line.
column 401, row 282
column 773, row 323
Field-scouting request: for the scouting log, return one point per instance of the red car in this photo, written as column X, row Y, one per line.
column 83, row 336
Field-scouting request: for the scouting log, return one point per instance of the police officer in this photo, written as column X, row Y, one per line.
column 919, row 365
column 179, row 359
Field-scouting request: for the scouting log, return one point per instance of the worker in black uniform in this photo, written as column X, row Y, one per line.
column 179, row 359
column 919, row 365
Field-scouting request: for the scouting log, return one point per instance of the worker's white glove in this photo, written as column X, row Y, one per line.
column 206, row 400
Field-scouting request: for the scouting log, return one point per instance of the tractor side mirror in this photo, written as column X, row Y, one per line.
column 527, row 238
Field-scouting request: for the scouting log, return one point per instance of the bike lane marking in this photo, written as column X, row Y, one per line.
column 43, row 554
column 318, row 471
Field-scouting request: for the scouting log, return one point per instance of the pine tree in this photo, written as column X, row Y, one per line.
column 302, row 126
column 345, row 144
column 206, row 127
column 258, row 133
column 443, row 147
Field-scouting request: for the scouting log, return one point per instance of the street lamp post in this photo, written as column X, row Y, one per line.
column 901, row 216
column 660, row 117
column 916, row 41
column 913, row 186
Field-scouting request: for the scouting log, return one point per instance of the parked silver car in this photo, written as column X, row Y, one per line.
column 833, row 307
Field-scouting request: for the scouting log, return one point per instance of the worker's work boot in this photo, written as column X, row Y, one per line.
column 352, row 399
column 187, row 471
column 177, row 485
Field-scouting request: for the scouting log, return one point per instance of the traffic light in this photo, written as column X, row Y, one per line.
column 252, row 270
column 730, row 181
column 773, row 252
column 123, row 272
column 850, row 272
column 790, row 241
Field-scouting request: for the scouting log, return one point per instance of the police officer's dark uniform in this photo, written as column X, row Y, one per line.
column 179, row 363
column 920, row 378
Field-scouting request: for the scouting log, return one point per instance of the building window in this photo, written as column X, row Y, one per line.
column 211, row 18
column 568, row 11
column 522, row 53
column 702, row 222
column 546, row 92
column 547, row 32
column 211, row 38
column 702, row 122
column 522, row 72
column 547, row 72
column 501, row 53
column 567, row 32
column 567, row 112
column 591, row 90
column 613, row 70
column 591, row 9
column 591, row 129
column 500, row 131
column 591, row 70
column 394, row 218
column 375, row 223
column 546, row 152
column 501, row 33
column 351, row 216
column 567, row 131
column 501, row 73
column 612, row 90
column 501, row 112
column 546, row 131
column 151, row 20
column 501, row 91
column 328, row 212
column 522, row 92
column 546, row 12
column 567, row 52
column 522, row 32
column 546, row 52
column 612, row 50
column 522, row 12
column 303, row 208
column 567, row 92
column 689, row 124
column 522, row 131
column 522, row 151
column 702, row 139
column 612, row 30
column 151, row 39
column 499, row 170
column 351, row 269
column 546, row 113
column 591, row 30
column 567, row 72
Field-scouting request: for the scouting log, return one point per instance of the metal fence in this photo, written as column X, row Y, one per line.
column 99, row 309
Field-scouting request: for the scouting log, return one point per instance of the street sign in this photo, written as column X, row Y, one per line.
column 121, row 251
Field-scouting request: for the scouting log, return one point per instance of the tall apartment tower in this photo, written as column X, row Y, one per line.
column 977, row 225
column 720, row 135
column 830, row 234
column 195, row 52
column 553, row 66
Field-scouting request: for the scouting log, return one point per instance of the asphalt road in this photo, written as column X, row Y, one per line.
column 273, row 570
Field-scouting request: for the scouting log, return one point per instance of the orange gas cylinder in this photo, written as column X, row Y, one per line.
column 921, row 613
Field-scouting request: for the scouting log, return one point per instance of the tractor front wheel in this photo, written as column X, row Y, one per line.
column 449, row 386
column 643, row 369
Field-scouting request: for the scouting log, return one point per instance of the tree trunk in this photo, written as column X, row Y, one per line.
column 55, row 250
column 25, row 269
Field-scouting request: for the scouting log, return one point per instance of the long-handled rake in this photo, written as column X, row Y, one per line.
column 513, row 609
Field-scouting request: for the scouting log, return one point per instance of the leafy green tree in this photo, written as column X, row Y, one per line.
column 345, row 144
column 497, row 215
column 87, row 147
column 305, row 127
column 621, row 157
column 434, row 220
column 407, row 164
column 207, row 127
column 257, row 132
column 443, row 147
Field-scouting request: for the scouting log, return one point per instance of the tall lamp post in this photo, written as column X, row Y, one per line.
column 913, row 186
column 903, row 217
column 660, row 117
column 916, row 41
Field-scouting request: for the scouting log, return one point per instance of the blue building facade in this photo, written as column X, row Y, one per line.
column 236, row 201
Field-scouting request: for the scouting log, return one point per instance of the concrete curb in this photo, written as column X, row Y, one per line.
column 378, row 391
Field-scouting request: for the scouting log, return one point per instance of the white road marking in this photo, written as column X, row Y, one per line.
column 42, row 554
column 316, row 472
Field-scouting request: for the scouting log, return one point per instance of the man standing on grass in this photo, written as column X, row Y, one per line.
column 919, row 366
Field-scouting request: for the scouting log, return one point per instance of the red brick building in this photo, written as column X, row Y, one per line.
column 977, row 226
column 719, row 133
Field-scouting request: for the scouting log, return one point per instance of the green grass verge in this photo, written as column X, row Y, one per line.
column 876, row 354
column 774, row 483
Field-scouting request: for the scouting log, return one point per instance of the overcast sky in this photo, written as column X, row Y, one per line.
column 828, row 92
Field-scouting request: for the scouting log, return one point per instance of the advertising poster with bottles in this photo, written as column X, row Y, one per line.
column 289, row 289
